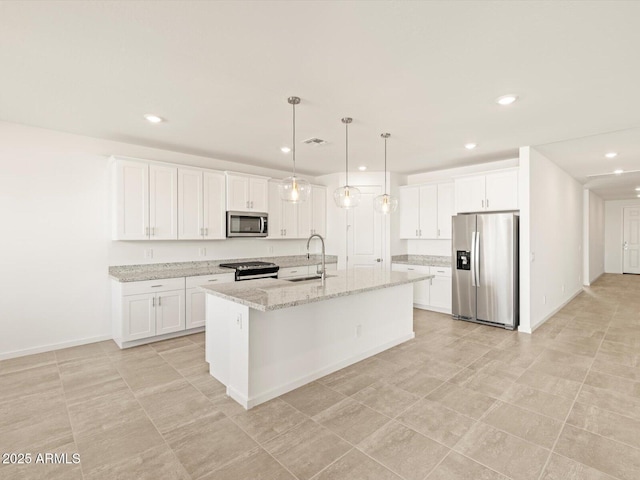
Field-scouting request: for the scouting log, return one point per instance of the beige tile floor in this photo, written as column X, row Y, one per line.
column 461, row 401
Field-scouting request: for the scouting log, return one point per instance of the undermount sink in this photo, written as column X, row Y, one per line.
column 304, row 279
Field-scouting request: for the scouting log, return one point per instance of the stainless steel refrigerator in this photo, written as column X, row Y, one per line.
column 485, row 270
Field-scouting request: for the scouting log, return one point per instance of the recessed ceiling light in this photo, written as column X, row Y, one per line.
column 285, row 149
column 611, row 155
column 470, row 146
column 506, row 99
column 618, row 171
column 362, row 168
column 153, row 118
column 637, row 189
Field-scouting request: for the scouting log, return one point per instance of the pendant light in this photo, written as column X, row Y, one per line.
column 293, row 189
column 385, row 203
column 347, row 196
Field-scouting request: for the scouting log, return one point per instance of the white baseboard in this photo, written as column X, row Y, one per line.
column 159, row 338
column 282, row 389
column 53, row 346
column 541, row 322
column 588, row 283
column 432, row 309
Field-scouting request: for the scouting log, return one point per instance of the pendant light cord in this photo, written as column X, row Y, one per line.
column 385, row 165
column 294, row 139
column 346, row 133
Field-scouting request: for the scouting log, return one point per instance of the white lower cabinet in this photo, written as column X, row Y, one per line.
column 196, row 298
column 147, row 309
column 433, row 294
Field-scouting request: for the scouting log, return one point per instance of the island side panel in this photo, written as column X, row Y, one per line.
column 294, row 346
column 227, row 346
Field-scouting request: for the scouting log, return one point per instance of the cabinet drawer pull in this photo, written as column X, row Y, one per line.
column 439, row 271
column 213, row 280
column 155, row 286
column 410, row 268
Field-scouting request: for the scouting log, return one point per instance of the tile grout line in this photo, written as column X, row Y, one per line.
column 66, row 406
column 564, row 423
column 164, row 440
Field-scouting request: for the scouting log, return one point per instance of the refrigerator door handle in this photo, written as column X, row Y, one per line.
column 477, row 259
column 473, row 259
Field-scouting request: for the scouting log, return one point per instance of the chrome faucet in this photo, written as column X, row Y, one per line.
column 323, row 270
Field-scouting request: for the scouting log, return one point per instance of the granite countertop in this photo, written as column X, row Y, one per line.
column 424, row 260
column 273, row 294
column 157, row 271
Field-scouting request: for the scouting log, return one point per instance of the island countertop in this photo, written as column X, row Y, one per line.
column 273, row 294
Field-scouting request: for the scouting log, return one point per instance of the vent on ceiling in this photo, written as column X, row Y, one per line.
column 314, row 141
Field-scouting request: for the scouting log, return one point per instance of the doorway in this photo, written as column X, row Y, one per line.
column 631, row 240
column 365, row 239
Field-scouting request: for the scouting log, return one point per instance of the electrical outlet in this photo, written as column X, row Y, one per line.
column 148, row 253
column 203, row 252
column 271, row 249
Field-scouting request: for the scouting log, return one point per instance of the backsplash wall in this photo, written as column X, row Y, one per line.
column 135, row 253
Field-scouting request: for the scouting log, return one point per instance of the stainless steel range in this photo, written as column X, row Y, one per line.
column 253, row 270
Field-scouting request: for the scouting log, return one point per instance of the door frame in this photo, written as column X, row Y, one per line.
column 622, row 237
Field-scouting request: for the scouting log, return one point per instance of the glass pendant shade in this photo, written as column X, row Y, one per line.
column 346, row 197
column 294, row 190
column 385, row 204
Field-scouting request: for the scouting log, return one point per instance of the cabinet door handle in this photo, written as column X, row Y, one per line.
column 431, row 282
column 159, row 301
column 153, row 231
column 153, row 302
column 247, row 203
column 482, row 203
column 146, row 231
column 206, row 232
column 438, row 232
column 416, row 233
column 420, row 232
column 251, row 203
column 487, row 203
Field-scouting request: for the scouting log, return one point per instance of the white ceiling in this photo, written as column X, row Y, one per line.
column 428, row 72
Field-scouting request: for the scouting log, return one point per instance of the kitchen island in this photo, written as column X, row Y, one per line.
column 267, row 337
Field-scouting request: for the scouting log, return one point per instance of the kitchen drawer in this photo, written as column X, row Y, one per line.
column 152, row 286
column 201, row 280
column 441, row 271
column 290, row 272
column 401, row 267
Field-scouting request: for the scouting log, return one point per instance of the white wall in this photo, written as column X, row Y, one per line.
column 56, row 247
column 613, row 233
column 551, row 209
column 593, row 235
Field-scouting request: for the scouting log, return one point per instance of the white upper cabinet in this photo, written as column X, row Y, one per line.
column 283, row 216
column 425, row 211
column 502, row 190
column 409, row 212
column 131, row 200
column 297, row 220
column 445, row 209
column 495, row 191
column 247, row 193
column 201, row 209
column 145, row 205
column 163, row 202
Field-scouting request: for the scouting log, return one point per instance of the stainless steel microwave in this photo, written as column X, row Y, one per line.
column 247, row 224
